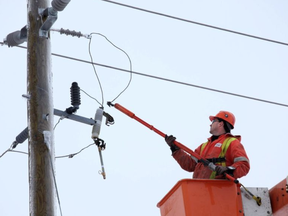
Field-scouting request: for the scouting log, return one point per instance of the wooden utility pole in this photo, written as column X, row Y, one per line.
column 40, row 115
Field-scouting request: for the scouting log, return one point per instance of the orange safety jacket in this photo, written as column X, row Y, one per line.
column 226, row 146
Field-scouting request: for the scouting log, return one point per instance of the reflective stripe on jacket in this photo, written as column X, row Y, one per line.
column 224, row 147
column 235, row 156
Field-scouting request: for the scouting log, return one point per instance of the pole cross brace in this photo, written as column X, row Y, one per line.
column 74, row 117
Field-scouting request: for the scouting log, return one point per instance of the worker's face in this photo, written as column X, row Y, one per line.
column 214, row 126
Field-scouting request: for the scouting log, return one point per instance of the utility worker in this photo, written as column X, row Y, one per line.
column 222, row 148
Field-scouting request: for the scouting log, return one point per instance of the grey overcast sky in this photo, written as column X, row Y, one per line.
column 138, row 163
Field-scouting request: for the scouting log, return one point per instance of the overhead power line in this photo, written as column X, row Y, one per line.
column 197, row 23
column 165, row 79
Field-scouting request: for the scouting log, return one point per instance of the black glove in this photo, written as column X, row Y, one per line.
column 170, row 141
column 220, row 170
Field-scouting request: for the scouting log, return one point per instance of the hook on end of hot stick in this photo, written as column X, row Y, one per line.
column 109, row 103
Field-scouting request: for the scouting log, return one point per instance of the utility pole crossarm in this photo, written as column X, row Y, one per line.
column 74, row 117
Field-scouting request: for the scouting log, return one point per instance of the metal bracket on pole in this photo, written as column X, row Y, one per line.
column 74, row 117
column 51, row 16
column 24, row 134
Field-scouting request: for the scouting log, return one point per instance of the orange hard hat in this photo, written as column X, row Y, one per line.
column 226, row 116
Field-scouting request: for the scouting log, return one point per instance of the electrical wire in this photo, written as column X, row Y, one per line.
column 72, row 155
column 11, row 150
column 197, row 23
column 88, row 95
column 168, row 80
column 79, row 34
column 57, row 123
column 21, row 152
column 63, row 156
column 130, row 63
column 174, row 81
column 55, row 183
column 95, row 72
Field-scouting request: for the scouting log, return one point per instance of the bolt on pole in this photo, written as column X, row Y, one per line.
column 40, row 115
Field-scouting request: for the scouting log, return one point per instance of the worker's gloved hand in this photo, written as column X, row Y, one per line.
column 170, row 141
column 221, row 170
